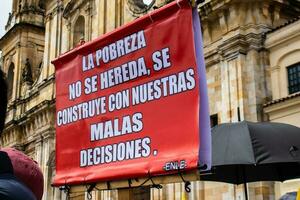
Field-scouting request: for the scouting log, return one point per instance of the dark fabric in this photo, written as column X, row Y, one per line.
column 238, row 174
column 5, row 163
column 255, row 143
column 231, row 144
column 247, row 152
column 27, row 171
column 3, row 100
column 13, row 189
column 272, row 142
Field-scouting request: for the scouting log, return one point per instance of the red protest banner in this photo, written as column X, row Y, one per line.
column 127, row 103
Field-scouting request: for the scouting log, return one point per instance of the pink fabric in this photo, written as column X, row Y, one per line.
column 27, row 170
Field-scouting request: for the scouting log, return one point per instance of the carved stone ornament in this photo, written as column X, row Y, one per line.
column 42, row 4
column 27, row 73
column 69, row 7
column 138, row 7
column 10, row 16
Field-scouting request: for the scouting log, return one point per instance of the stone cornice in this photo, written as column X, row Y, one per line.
column 45, row 134
column 31, row 125
column 211, row 58
column 283, row 107
column 282, row 35
column 31, row 10
column 287, row 98
column 47, row 104
column 19, row 26
column 212, row 8
column 238, row 43
column 34, row 92
column 29, row 114
column 214, row 5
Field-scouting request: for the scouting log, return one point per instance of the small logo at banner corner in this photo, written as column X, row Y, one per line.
column 175, row 165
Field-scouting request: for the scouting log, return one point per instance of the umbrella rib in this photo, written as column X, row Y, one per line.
column 250, row 139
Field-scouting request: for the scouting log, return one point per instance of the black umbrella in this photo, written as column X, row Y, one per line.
column 246, row 152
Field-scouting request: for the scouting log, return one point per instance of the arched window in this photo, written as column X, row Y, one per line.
column 79, row 28
column 293, row 73
column 10, row 80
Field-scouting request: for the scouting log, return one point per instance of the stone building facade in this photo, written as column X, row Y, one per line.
column 283, row 44
column 239, row 73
